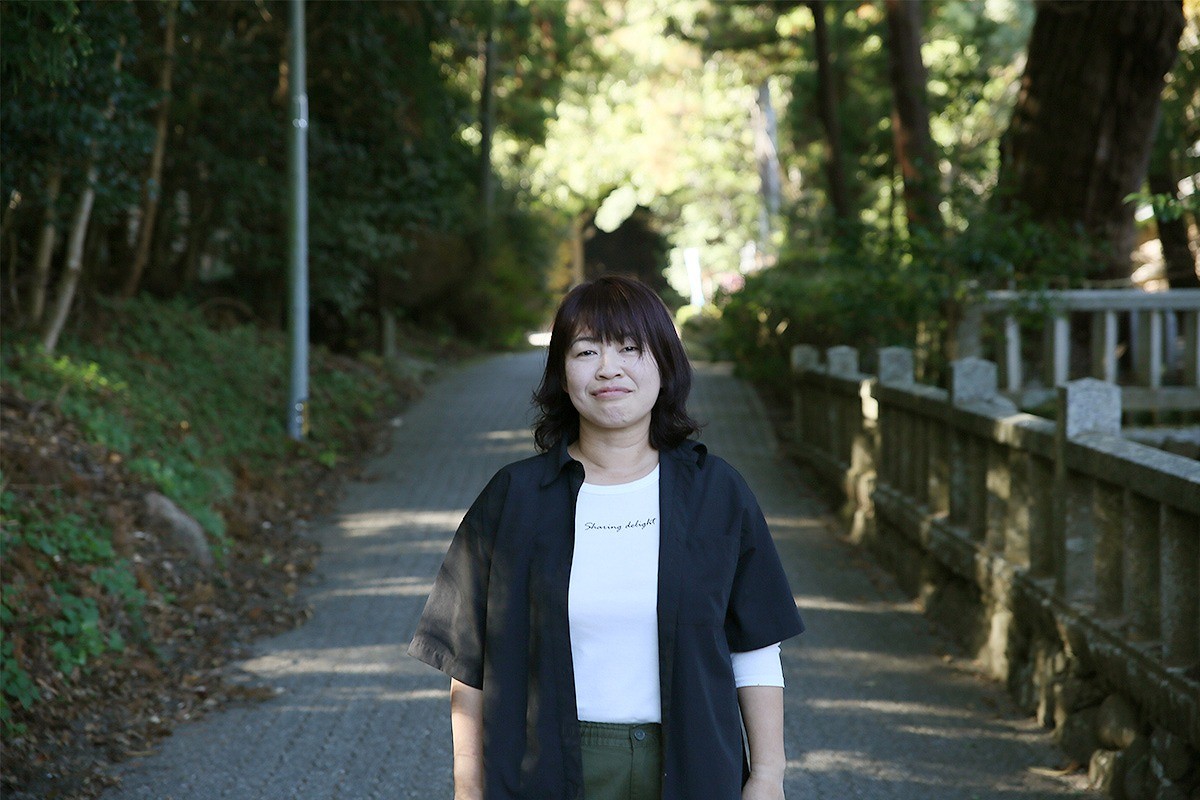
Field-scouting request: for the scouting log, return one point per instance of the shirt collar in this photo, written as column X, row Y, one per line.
column 557, row 458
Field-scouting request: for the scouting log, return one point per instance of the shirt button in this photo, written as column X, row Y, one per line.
column 639, row 734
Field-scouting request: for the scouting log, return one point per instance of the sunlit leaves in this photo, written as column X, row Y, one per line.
column 662, row 125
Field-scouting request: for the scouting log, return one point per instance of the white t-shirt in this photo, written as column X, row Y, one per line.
column 612, row 607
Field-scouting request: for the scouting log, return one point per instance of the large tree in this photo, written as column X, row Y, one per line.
column 910, row 116
column 1082, row 129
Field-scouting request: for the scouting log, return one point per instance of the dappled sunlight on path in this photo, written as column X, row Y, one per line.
column 876, row 708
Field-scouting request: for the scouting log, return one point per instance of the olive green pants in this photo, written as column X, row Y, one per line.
column 621, row 762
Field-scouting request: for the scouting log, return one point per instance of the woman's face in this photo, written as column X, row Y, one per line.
column 613, row 385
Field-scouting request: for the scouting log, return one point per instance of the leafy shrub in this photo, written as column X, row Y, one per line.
column 700, row 329
column 503, row 296
column 868, row 295
column 78, row 569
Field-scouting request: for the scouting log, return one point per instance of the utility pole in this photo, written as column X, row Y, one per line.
column 297, row 411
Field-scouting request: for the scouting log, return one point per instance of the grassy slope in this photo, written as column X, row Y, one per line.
column 99, row 609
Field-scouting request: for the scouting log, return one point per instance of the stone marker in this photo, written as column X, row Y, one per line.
column 896, row 366
column 805, row 357
column 842, row 361
column 972, row 380
column 1090, row 406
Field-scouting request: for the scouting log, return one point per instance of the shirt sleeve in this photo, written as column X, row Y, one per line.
column 761, row 607
column 450, row 632
column 761, row 667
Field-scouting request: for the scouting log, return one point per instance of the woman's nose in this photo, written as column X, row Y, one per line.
column 610, row 363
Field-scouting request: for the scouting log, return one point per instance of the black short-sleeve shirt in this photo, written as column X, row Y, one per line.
column 497, row 620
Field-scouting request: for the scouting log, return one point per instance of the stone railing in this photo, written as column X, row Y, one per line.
column 1160, row 330
column 1066, row 557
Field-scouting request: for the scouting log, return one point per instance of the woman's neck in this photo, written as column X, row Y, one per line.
column 612, row 458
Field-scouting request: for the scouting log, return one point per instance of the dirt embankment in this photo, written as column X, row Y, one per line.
column 192, row 623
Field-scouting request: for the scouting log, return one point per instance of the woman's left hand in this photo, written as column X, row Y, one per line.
column 758, row 788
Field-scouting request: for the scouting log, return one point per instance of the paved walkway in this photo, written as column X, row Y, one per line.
column 873, row 710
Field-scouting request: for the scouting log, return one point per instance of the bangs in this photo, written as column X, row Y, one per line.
column 608, row 314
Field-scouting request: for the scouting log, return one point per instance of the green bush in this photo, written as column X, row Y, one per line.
column 868, row 295
column 506, row 298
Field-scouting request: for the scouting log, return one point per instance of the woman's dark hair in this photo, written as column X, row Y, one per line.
column 614, row 308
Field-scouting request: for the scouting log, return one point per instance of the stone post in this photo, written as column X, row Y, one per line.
column 923, row 431
column 1180, row 589
column 1089, row 406
column 805, row 358
column 1143, row 567
column 896, row 366
column 999, row 491
column 1043, row 533
column 1110, row 545
column 968, row 337
column 896, row 370
column 977, row 488
column 938, row 486
column 842, row 361
column 1085, row 407
column 1018, row 522
column 972, row 380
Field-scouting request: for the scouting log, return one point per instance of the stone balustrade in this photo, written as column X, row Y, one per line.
column 1162, row 332
column 1059, row 551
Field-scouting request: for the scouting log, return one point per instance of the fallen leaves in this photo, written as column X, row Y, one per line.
column 172, row 666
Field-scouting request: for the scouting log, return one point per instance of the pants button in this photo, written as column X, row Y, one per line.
column 639, row 734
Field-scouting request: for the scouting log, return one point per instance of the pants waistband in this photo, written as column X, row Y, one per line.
column 620, row 734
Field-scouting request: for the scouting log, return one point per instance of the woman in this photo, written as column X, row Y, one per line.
column 608, row 607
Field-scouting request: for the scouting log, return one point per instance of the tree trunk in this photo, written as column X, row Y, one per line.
column 766, row 154
column 10, row 209
column 79, row 226
column 1081, row 132
column 151, row 187
column 828, row 108
column 45, row 249
column 487, row 118
column 910, row 117
column 577, row 266
column 74, row 267
column 1180, row 261
column 10, row 212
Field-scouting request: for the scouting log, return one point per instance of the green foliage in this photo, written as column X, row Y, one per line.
column 66, row 611
column 70, row 99
column 869, row 295
column 1167, row 207
column 184, row 406
column 508, row 299
column 41, row 42
column 183, row 402
column 393, row 147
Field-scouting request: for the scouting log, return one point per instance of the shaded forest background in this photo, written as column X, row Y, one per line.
column 908, row 143
column 819, row 171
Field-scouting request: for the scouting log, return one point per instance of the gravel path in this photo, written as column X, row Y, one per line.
column 875, row 709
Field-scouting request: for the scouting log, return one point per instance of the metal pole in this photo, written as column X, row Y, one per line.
column 297, row 412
